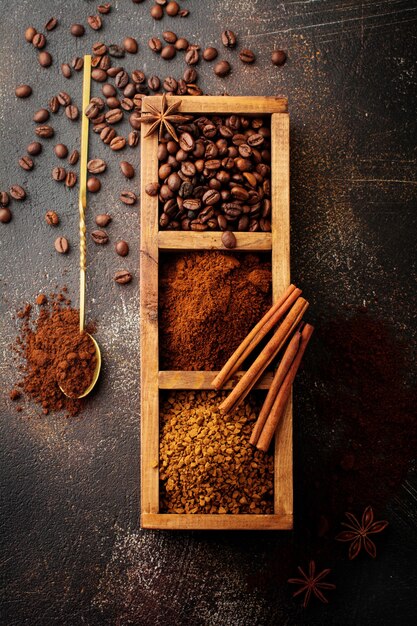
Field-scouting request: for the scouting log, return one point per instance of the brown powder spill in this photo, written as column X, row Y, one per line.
column 208, row 303
column 53, row 351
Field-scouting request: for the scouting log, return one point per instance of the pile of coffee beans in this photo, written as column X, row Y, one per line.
column 216, row 177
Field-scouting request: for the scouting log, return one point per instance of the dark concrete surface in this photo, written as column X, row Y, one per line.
column 73, row 552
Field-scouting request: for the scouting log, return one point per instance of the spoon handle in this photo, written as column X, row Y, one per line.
column 82, row 200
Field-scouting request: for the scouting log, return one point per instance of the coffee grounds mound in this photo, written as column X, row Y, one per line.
column 208, row 303
column 54, row 352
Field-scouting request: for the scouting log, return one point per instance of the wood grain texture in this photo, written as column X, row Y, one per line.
column 170, row 521
column 255, row 105
column 203, row 380
column 186, row 240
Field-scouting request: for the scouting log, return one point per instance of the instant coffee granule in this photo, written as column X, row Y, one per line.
column 53, row 352
column 207, row 464
column 208, row 302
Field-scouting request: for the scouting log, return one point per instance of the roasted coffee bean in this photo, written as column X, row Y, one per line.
column 99, row 48
column 157, row 12
column 66, row 70
column 172, row 8
column 127, row 104
column 192, row 56
column 222, row 68
column 130, row 45
column 45, row 59
column 278, row 57
column 122, row 248
column 72, row 112
column 94, row 22
column 190, row 75
column 61, row 150
column 23, row 91
column 103, row 220
column 154, row 83
column 181, row 44
column 108, row 91
column 193, row 90
column 61, row 245
column 121, row 79
column 247, row 56
column 59, row 174
column 155, row 44
column 51, row 24
column 39, row 41
column 77, row 30
column 228, row 39
column 4, row 198
column 5, row 215
column 64, row 98
column 30, row 32
column 45, row 131
column 71, row 179
column 92, row 111
column 138, row 76
column 186, row 142
column 34, row 148
column 96, row 166
column 133, row 138
column 113, row 116
column 128, row 197
column 123, row 277
column 73, row 157
column 127, row 169
column 99, row 75
column 26, row 163
column 183, row 13
column 41, row 116
column 93, row 184
column 211, row 197
column 107, row 134
column 105, row 8
column 77, row 63
column 113, row 102
column 210, row 53
column 152, row 189
column 51, row 218
column 169, row 36
column 168, row 52
column 170, row 84
column 117, row 143
column 17, row 192
column 116, row 51
column 53, row 104
column 100, row 237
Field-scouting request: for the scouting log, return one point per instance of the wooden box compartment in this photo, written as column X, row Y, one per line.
column 153, row 241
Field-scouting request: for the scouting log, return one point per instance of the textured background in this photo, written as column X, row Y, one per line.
column 73, row 552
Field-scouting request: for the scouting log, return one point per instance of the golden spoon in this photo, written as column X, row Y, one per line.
column 82, row 204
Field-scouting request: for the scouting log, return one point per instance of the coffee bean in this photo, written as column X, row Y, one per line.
column 53, row 104
column 99, row 75
column 169, row 36
column 184, row 13
column 73, row 157
column 100, row 237
column 116, row 51
column 157, row 12
column 66, row 70
column 107, row 134
column 5, row 215
column 94, row 22
column 71, row 179
column 42, row 115
column 61, row 150
column 186, row 142
column 278, row 57
column 108, row 91
column 155, row 44
column 127, row 169
column 117, row 143
column 228, row 39
column 172, row 9
column 39, row 41
column 229, row 239
column 138, row 76
column 77, row 30
column 51, row 24
column 30, row 32
column 77, row 63
column 121, row 79
column 51, row 218
column 96, row 166
column 45, row 59
column 154, row 83
column 170, row 84
column 122, row 248
column 105, row 8
column 128, row 197
column 222, row 68
column 181, row 44
column 45, row 131
column 210, row 54
column 114, row 116
column 103, row 220
column 127, row 104
column 193, row 90
column 152, row 189
column 59, row 174
column 34, row 148
column 72, row 112
column 92, row 111
column 133, row 138
column 93, row 184
column 61, row 245
column 123, row 277
column 130, row 45
column 168, row 52
column 192, row 56
column 4, row 198
column 17, row 192
column 190, row 75
column 23, row 91
column 26, row 163
column 246, row 56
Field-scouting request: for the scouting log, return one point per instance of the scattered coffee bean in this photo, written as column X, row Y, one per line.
column 77, row 63
column 71, row 179
column 61, row 150
column 94, row 22
column 157, row 12
column 182, row 44
column 42, row 115
column 210, row 54
column 170, row 84
column 192, row 56
column 278, row 57
column 100, row 237
column 105, row 8
column 26, row 163
column 130, row 45
column 59, row 174
column 99, row 48
column 155, row 44
column 99, row 75
column 61, row 245
column 117, row 143
column 172, row 9
column 184, row 13
column 228, row 39
column 123, row 277
column 17, row 192
column 114, row 116
column 73, row 157
column 93, row 184
column 45, row 59
column 169, row 36
column 229, row 239
column 222, row 68
column 4, row 198
column 128, row 197
column 107, row 134
column 51, row 24
column 116, row 51
column 39, row 41
column 96, row 166
column 5, row 215
column 122, row 248
column 247, row 56
column 190, row 75
column 51, row 218
column 133, row 138
column 34, row 148
column 152, row 189
column 154, row 83
column 127, row 169
column 77, row 30
column 45, row 131
column 66, row 70
column 23, row 91
column 72, row 112
column 168, row 52
column 103, row 220
column 54, row 104
column 30, row 32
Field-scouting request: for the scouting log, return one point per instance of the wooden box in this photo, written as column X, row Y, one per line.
column 153, row 241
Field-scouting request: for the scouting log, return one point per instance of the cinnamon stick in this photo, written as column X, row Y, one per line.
column 264, row 359
column 285, row 364
column 278, row 309
column 283, row 394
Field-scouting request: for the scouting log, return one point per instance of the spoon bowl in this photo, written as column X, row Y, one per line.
column 95, row 375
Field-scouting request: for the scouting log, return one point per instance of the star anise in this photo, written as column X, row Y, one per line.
column 311, row 583
column 358, row 533
column 164, row 119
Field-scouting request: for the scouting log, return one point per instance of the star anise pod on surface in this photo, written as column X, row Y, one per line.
column 164, row 119
column 312, row 583
column 358, row 533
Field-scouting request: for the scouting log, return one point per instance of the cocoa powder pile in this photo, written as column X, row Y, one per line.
column 53, row 352
column 208, row 303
